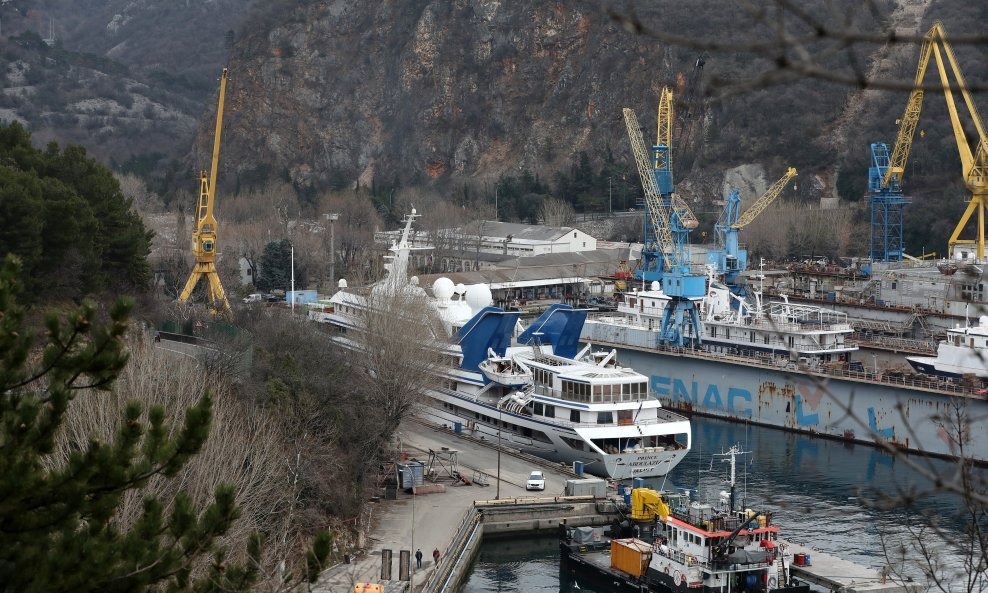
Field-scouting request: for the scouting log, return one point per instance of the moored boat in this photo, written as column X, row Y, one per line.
column 673, row 543
column 963, row 354
column 533, row 389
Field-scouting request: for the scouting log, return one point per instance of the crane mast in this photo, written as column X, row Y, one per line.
column 204, row 236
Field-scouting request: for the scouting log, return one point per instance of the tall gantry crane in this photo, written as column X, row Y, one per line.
column 668, row 224
column 675, row 231
column 204, row 237
column 730, row 260
column 886, row 172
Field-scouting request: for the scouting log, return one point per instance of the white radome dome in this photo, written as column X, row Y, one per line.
column 443, row 288
column 654, row 285
column 478, row 297
column 342, row 283
column 460, row 289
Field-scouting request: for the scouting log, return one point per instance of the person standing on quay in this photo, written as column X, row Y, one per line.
column 435, row 556
column 418, row 558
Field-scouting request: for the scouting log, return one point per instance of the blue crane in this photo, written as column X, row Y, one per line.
column 668, row 222
column 729, row 259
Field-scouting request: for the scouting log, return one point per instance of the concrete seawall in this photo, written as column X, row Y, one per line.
column 511, row 517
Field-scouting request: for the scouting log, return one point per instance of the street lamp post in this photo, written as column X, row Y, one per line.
column 293, row 280
column 332, row 247
column 500, row 425
column 610, row 202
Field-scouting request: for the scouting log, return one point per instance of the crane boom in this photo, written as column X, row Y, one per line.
column 663, row 134
column 910, row 118
column 765, row 200
column 204, row 237
column 657, row 211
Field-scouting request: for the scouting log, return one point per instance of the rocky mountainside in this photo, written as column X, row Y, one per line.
column 128, row 79
column 337, row 92
column 456, row 95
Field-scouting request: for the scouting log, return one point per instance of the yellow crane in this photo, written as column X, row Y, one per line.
column 974, row 164
column 730, row 259
column 204, row 237
column 765, row 200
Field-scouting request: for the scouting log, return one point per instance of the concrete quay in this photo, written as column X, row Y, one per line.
column 837, row 574
column 431, row 521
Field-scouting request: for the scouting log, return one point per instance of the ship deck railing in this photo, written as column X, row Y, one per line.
column 747, row 324
column 740, row 339
column 662, row 416
column 836, row 370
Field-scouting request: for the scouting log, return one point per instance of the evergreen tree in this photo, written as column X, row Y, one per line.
column 276, row 267
column 65, row 216
column 57, row 522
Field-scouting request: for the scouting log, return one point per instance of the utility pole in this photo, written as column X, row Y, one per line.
column 610, row 203
column 332, row 247
column 293, row 279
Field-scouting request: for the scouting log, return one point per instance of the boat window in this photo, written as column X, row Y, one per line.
column 550, row 411
column 574, row 416
column 605, row 418
column 538, row 435
column 727, row 333
column 713, row 332
column 537, row 408
column 625, row 417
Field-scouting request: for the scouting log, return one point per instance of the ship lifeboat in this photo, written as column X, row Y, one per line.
column 506, row 371
column 947, row 268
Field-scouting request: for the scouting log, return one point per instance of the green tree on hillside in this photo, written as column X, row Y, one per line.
column 65, row 216
column 276, row 267
column 58, row 521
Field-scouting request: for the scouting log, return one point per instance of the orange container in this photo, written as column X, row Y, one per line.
column 368, row 588
column 630, row 556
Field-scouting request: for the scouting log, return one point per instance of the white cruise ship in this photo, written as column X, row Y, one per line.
column 533, row 389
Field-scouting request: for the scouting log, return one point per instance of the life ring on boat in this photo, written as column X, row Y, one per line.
column 771, row 583
column 682, row 579
column 712, row 294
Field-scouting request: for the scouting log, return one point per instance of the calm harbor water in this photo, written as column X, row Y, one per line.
column 821, row 492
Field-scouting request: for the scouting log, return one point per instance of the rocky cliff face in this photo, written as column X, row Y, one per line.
column 331, row 93
column 338, row 92
column 431, row 89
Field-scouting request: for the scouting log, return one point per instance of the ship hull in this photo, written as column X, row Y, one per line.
column 859, row 410
column 464, row 414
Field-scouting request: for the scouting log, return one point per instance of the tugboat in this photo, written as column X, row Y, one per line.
column 672, row 543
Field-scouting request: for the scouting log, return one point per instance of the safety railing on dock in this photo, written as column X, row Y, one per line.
column 469, row 528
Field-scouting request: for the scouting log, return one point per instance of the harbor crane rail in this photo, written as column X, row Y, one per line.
column 204, row 236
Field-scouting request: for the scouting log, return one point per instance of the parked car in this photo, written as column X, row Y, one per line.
column 536, row 481
column 254, row 298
